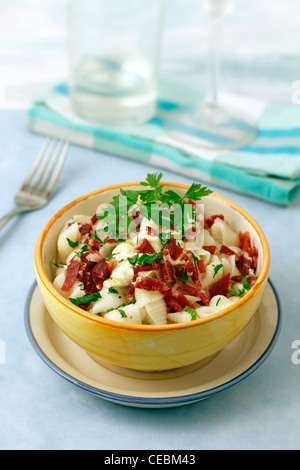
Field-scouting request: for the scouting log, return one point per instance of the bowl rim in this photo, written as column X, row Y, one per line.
column 48, row 285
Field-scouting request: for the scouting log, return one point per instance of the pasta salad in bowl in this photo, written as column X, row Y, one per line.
column 152, row 275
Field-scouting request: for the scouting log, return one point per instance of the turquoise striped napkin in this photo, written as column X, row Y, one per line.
column 269, row 168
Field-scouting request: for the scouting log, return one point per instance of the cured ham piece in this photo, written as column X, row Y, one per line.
column 188, row 289
column 220, row 287
column 167, row 272
column 246, row 244
column 85, row 229
column 100, row 271
column 201, row 266
column 187, row 263
column 143, row 267
column 173, row 248
column 226, row 250
column 72, row 272
column 94, row 219
column 179, row 297
column 209, row 221
column 173, row 304
column 145, row 247
column 95, row 243
column 211, row 248
column 245, row 241
column 194, row 291
column 150, row 284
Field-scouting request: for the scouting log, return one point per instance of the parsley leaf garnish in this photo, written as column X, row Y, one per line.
column 72, row 244
column 133, row 259
column 245, row 284
column 85, row 299
column 57, row 265
column 82, row 250
column 111, row 290
column 120, row 215
column 147, row 259
column 123, row 314
column 195, row 259
column 192, row 312
column 196, row 192
column 184, row 277
column 152, row 180
column 217, row 268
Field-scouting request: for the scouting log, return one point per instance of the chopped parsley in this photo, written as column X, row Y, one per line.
column 133, row 259
column 195, row 259
column 245, row 284
column 122, row 313
column 82, row 250
column 147, row 259
column 121, row 305
column 111, row 290
column 86, row 298
column 217, row 268
column 57, row 265
column 192, row 312
column 184, row 277
column 72, row 244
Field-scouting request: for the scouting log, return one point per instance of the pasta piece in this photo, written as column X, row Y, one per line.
column 72, row 233
column 223, row 234
column 107, row 249
column 123, row 251
column 151, row 273
column 59, row 278
column 214, row 272
column 128, row 314
column 74, row 253
column 179, row 317
column 77, row 290
column 157, row 312
column 229, row 266
column 206, row 311
column 220, row 301
column 107, row 301
column 144, row 297
column 143, row 313
column 208, row 239
column 203, row 254
column 121, row 276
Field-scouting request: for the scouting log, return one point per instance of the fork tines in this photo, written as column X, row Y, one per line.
column 47, row 166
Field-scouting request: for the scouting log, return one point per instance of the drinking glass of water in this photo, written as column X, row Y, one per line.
column 114, row 50
column 217, row 126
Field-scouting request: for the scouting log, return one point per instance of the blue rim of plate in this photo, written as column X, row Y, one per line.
column 156, row 401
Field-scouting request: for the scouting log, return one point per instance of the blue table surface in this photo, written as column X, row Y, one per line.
column 41, row 410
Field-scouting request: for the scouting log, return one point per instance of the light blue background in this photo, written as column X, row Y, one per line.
column 40, row 410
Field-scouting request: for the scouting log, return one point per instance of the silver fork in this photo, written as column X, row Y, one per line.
column 39, row 184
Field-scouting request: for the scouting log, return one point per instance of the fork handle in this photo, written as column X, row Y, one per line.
column 9, row 215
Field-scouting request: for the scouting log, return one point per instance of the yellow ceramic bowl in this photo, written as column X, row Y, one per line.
column 148, row 347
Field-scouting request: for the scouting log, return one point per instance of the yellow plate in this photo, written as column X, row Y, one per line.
column 159, row 389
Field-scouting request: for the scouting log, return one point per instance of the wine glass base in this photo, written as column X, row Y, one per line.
column 212, row 127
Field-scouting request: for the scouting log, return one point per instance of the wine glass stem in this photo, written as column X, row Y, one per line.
column 214, row 61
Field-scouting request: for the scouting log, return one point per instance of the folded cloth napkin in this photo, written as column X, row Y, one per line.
column 268, row 168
